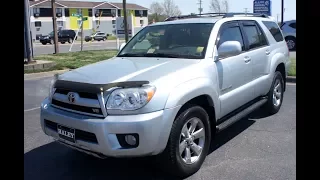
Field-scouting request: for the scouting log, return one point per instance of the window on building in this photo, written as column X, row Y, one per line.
column 113, row 12
column 37, row 23
column 113, row 21
column 60, row 23
column 141, row 22
column 36, row 10
column 59, row 10
column 79, row 11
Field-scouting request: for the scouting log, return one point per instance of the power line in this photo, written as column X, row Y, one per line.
column 200, row 6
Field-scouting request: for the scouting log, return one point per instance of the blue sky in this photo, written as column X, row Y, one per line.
column 191, row 6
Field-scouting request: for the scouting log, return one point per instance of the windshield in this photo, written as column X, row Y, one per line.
column 171, row 40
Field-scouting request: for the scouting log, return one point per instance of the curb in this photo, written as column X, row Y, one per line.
column 291, row 79
column 43, row 74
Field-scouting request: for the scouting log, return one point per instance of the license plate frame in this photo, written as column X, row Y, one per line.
column 66, row 133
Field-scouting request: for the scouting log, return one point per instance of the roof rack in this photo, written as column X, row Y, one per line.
column 223, row 15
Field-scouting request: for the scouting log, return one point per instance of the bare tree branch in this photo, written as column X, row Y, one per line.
column 219, row 6
column 156, row 8
column 170, row 8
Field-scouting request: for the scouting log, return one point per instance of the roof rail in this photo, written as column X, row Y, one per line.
column 223, row 15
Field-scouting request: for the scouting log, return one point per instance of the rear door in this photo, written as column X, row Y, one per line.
column 259, row 52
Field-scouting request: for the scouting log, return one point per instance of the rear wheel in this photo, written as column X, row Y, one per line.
column 44, row 43
column 63, row 42
column 188, row 143
column 275, row 95
column 291, row 42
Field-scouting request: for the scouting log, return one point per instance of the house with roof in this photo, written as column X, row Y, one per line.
column 101, row 16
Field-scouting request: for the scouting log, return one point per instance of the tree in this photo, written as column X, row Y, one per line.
column 170, row 8
column 219, row 6
column 156, row 8
column 156, row 12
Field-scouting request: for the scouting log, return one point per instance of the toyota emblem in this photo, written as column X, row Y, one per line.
column 71, row 97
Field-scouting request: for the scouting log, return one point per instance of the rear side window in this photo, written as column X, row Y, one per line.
column 293, row 25
column 274, row 30
column 255, row 37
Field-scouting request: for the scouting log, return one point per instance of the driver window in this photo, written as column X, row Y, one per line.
column 231, row 34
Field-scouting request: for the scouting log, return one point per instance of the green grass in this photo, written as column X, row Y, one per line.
column 292, row 70
column 74, row 60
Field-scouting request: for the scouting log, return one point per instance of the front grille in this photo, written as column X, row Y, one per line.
column 81, row 94
column 79, row 134
column 90, row 110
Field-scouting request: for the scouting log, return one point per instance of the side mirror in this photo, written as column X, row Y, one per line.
column 229, row 48
column 121, row 46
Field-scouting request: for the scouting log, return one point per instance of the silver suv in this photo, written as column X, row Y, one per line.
column 170, row 89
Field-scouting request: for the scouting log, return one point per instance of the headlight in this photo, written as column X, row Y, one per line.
column 53, row 81
column 130, row 98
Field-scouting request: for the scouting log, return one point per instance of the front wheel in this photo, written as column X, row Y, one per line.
column 275, row 95
column 188, row 143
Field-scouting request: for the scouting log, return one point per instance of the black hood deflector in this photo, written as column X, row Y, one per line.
column 95, row 88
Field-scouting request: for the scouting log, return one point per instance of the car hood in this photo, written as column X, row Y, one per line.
column 121, row 69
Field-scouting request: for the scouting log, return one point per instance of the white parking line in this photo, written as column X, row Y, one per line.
column 27, row 110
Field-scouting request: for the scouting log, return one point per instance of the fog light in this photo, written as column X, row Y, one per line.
column 131, row 140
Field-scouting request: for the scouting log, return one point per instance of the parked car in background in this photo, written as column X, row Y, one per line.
column 98, row 36
column 289, row 32
column 65, row 35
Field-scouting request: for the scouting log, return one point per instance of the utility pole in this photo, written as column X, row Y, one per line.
column 27, row 31
column 125, row 20
column 81, row 31
column 282, row 11
column 246, row 11
column 200, row 6
column 54, row 23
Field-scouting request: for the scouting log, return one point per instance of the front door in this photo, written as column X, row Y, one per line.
column 235, row 72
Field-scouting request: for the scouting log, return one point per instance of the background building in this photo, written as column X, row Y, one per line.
column 101, row 16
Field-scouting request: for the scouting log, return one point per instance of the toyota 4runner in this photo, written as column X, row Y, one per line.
column 170, row 89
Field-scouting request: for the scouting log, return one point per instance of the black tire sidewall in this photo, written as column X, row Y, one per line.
column 182, row 168
column 271, row 107
column 294, row 40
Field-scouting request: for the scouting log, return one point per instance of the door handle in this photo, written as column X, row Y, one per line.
column 247, row 59
column 267, row 52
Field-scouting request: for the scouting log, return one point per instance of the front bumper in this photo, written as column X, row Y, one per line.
column 153, row 130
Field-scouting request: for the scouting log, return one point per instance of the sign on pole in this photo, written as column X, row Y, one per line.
column 262, row 7
column 120, row 26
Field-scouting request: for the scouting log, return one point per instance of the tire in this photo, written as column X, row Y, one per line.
column 171, row 158
column 63, row 42
column 104, row 39
column 44, row 43
column 291, row 42
column 274, row 102
column 70, row 40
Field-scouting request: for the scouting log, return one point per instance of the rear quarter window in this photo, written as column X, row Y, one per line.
column 274, row 30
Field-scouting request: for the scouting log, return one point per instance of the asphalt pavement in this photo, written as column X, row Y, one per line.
column 258, row 147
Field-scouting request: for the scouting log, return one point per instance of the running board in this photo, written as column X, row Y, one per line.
column 241, row 114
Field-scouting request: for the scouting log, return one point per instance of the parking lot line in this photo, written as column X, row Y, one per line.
column 27, row 110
